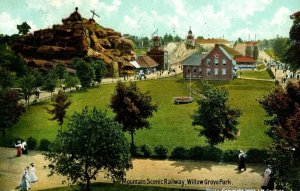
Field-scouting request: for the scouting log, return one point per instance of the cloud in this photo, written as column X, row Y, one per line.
column 281, row 16
column 179, row 7
column 244, row 9
column 8, row 24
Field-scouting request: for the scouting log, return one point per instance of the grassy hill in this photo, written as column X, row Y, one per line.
column 171, row 125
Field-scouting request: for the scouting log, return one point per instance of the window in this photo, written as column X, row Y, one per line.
column 223, row 72
column 216, row 61
column 208, row 61
column 208, row 72
column 224, row 61
column 216, row 72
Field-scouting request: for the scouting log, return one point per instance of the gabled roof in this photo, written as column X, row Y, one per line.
column 146, row 62
column 240, row 47
column 233, row 53
column 245, row 59
column 194, row 59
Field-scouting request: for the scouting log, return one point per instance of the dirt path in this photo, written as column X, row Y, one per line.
column 11, row 169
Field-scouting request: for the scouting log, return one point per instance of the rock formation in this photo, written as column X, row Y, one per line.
column 76, row 37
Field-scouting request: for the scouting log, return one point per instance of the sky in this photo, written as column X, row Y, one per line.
column 230, row 19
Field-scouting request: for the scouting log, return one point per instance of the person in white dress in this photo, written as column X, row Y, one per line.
column 25, row 184
column 32, row 175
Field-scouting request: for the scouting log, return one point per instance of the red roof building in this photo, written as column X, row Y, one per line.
column 244, row 59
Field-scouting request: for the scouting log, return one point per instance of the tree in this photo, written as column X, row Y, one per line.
column 60, row 103
column 71, row 81
column 132, row 107
column 282, row 106
column 23, row 28
column 99, row 68
column 255, row 52
column 280, row 47
column 6, row 79
column 50, row 82
column 218, row 119
column 60, row 71
column 28, row 87
column 84, row 72
column 293, row 52
column 10, row 109
column 92, row 143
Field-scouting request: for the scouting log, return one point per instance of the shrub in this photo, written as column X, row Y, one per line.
column 231, row 155
column 179, row 153
column 195, row 153
column 205, row 153
column 31, row 143
column 44, row 144
column 161, row 152
column 257, row 155
column 212, row 153
column 146, row 151
column 8, row 141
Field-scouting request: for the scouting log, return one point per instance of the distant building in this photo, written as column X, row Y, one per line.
column 145, row 63
column 190, row 40
column 191, row 66
column 158, row 54
column 249, row 49
column 219, row 64
column 210, row 43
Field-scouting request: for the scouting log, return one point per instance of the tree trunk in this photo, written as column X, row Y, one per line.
column 132, row 142
column 88, row 184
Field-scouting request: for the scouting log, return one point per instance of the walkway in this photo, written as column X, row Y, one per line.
column 11, row 169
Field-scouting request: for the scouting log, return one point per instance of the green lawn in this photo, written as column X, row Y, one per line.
column 171, row 125
column 117, row 187
column 255, row 74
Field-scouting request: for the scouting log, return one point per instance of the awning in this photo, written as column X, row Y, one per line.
column 135, row 64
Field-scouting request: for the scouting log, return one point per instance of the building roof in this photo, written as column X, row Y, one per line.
column 244, row 59
column 233, row 53
column 194, row 59
column 211, row 41
column 146, row 62
column 240, row 47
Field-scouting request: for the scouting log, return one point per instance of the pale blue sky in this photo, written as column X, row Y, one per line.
column 215, row 18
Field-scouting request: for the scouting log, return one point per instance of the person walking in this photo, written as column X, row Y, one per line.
column 19, row 148
column 242, row 161
column 25, row 184
column 32, row 176
column 266, row 177
column 24, row 148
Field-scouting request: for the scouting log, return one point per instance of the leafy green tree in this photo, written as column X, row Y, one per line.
column 85, row 72
column 99, row 68
column 71, row 81
column 6, row 79
column 255, row 52
column 60, row 104
column 280, row 47
column 293, row 52
column 39, row 79
column 50, row 82
column 93, row 143
column 10, row 109
column 60, row 71
column 12, row 62
column 132, row 107
column 282, row 106
column 218, row 119
column 23, row 28
column 28, row 87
